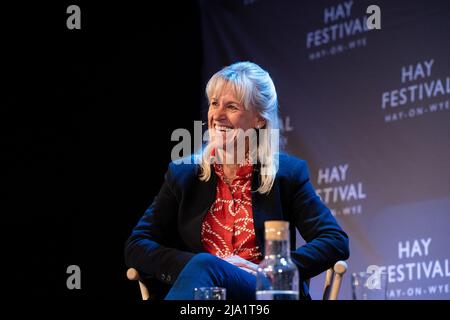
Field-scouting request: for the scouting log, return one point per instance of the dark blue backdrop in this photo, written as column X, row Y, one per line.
column 370, row 112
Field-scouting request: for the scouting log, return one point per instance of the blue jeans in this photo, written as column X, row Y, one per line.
column 207, row 270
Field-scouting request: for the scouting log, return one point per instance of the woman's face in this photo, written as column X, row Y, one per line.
column 226, row 113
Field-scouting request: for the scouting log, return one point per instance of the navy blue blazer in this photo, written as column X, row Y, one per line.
column 168, row 234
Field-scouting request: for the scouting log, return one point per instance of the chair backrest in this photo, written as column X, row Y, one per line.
column 333, row 280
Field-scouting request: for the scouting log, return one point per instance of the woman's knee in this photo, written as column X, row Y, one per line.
column 204, row 261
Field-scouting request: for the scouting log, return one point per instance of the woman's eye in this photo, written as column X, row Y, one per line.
column 232, row 106
column 214, row 103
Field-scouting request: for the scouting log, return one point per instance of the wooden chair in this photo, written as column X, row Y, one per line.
column 333, row 281
column 133, row 274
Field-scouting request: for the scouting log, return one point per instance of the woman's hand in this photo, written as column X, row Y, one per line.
column 242, row 263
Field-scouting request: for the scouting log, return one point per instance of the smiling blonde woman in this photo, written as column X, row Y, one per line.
column 205, row 228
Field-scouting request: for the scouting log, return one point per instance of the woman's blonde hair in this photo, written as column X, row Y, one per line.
column 254, row 89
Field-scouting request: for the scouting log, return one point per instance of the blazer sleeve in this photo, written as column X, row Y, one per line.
column 326, row 242
column 149, row 248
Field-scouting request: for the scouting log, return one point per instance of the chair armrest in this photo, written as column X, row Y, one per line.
column 133, row 274
column 339, row 269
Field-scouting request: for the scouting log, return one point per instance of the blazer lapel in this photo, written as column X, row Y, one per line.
column 265, row 207
column 201, row 198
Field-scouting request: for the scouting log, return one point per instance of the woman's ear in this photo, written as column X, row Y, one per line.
column 261, row 123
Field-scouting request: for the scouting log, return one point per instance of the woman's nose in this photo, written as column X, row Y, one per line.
column 219, row 113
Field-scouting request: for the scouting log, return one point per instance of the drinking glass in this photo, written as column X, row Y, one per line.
column 210, row 293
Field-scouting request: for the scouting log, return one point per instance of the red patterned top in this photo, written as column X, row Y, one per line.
column 228, row 228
